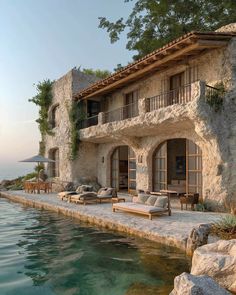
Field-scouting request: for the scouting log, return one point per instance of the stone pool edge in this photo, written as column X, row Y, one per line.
column 101, row 222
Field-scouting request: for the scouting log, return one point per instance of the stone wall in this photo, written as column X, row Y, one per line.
column 63, row 90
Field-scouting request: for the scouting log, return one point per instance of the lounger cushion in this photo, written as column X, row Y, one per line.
column 142, row 198
column 161, row 202
column 107, row 192
column 84, row 196
column 67, row 193
column 151, row 200
column 137, row 207
column 84, row 188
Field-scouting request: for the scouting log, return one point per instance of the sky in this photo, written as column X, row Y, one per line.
column 44, row 40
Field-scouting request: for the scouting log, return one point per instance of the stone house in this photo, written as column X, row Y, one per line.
column 166, row 121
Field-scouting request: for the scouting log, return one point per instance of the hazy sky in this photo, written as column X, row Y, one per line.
column 45, row 39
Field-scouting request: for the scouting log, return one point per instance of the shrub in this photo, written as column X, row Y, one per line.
column 226, row 227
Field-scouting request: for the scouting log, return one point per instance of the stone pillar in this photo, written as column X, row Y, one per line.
column 142, row 109
column 198, row 90
column 101, row 118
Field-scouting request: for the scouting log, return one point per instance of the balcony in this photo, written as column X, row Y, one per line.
column 141, row 118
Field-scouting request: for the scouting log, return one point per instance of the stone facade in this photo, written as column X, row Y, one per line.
column 214, row 132
column 63, row 91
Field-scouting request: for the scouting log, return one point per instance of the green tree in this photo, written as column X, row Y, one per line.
column 102, row 74
column 153, row 23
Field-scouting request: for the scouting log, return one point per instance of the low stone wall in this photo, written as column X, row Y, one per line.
column 94, row 220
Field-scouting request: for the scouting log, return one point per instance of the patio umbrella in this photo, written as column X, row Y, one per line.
column 38, row 159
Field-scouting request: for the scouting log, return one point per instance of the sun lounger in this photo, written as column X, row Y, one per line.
column 84, row 198
column 145, row 208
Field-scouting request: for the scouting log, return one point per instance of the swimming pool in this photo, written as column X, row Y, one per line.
column 46, row 253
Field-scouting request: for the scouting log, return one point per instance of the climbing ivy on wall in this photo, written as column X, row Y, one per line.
column 76, row 115
column 43, row 99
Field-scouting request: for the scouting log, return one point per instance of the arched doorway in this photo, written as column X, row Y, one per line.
column 123, row 169
column 177, row 165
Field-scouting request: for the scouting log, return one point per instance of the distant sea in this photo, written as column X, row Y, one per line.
column 12, row 171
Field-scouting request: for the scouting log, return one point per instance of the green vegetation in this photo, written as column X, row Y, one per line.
column 76, row 115
column 153, row 23
column 43, row 99
column 226, row 227
column 215, row 96
column 102, row 74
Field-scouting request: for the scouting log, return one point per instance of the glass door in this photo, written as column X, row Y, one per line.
column 193, row 168
column 131, row 171
column 160, row 168
column 115, row 169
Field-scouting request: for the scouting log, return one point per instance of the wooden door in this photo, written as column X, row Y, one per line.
column 115, row 159
column 131, row 102
column 160, row 168
column 193, row 168
column 131, row 171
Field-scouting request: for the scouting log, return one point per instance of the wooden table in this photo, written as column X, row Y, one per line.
column 168, row 192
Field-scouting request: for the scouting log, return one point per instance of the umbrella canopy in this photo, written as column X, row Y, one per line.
column 38, row 159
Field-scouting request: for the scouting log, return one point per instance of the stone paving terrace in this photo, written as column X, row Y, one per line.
column 171, row 230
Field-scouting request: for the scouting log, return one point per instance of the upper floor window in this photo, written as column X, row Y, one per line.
column 131, row 97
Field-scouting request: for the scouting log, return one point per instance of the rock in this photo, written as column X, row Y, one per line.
column 217, row 260
column 187, row 284
column 198, row 237
column 5, row 183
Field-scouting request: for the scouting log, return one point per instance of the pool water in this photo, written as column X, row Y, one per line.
column 45, row 253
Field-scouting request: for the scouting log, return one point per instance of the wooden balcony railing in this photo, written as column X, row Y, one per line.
column 176, row 96
column 88, row 122
column 125, row 112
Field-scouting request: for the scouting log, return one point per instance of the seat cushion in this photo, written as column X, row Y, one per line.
column 63, row 194
column 161, row 202
column 142, row 198
column 151, row 200
column 142, row 208
column 105, row 192
column 84, row 196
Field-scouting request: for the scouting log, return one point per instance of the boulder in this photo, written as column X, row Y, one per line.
column 198, row 237
column 217, row 260
column 187, row 284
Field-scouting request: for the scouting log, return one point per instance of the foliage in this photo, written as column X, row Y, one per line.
column 215, row 97
column 39, row 167
column 30, row 176
column 226, row 227
column 43, row 99
column 76, row 115
column 102, row 74
column 153, row 23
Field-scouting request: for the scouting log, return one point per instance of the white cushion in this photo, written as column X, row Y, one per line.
column 142, row 198
column 137, row 207
column 161, row 202
column 151, row 200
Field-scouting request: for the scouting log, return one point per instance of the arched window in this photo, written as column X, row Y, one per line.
column 54, row 167
column 54, row 116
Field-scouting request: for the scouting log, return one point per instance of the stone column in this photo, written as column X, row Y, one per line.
column 142, row 109
column 101, row 118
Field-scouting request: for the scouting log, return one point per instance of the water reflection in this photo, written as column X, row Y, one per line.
column 62, row 256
